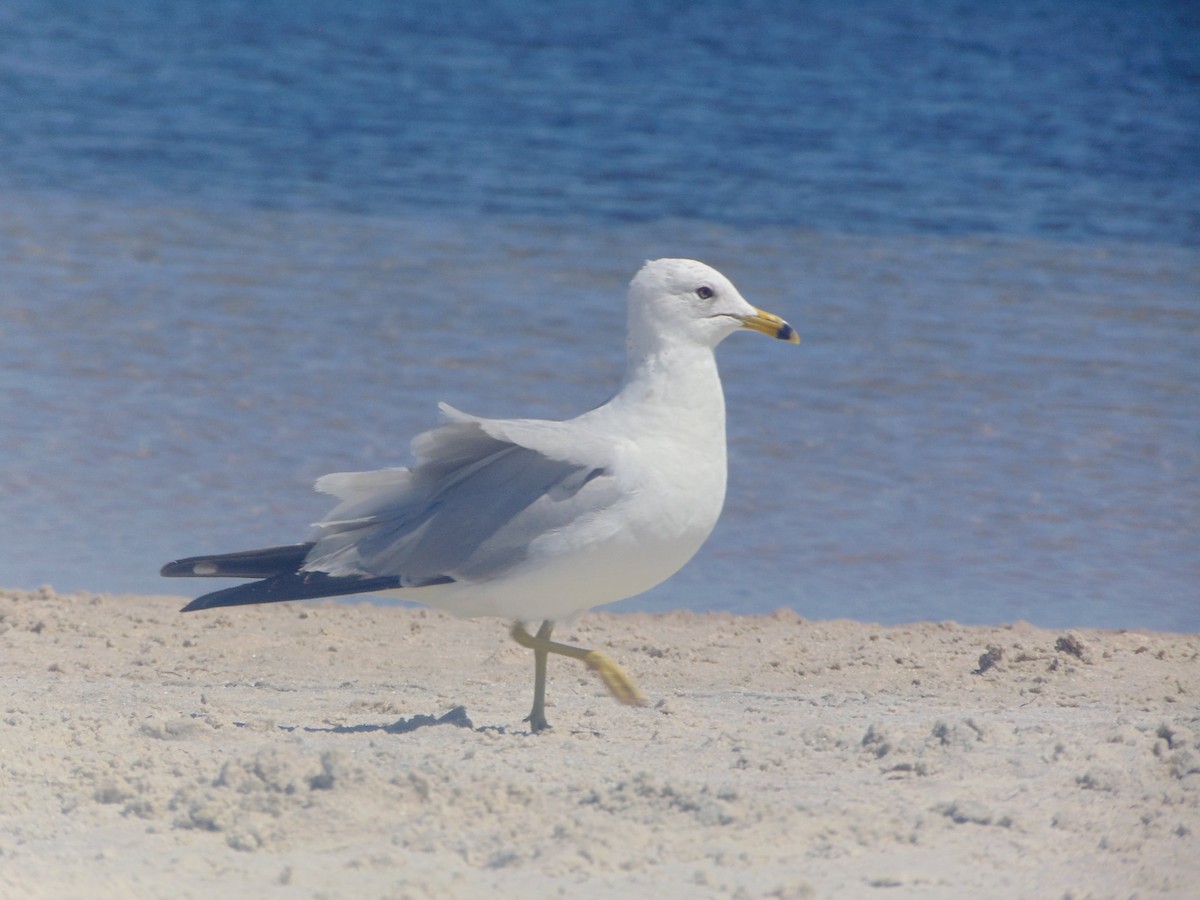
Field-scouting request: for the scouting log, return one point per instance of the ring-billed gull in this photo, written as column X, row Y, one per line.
column 531, row 519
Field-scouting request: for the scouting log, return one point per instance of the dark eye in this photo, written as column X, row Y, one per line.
column 704, row 292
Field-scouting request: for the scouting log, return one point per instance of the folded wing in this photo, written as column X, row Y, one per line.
column 479, row 497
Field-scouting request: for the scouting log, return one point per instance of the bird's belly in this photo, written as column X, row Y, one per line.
column 562, row 577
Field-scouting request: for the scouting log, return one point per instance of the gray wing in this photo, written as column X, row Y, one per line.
column 468, row 510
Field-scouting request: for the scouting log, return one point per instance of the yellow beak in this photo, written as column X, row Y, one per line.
column 770, row 325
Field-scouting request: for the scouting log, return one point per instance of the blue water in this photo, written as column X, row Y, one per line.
column 244, row 244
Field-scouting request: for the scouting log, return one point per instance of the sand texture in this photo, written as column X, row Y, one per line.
column 321, row 750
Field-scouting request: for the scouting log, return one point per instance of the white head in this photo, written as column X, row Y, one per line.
column 683, row 298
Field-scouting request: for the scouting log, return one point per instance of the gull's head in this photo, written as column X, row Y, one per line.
column 684, row 298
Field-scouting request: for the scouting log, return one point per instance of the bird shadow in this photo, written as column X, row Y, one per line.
column 457, row 717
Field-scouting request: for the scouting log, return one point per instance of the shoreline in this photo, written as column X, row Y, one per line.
column 336, row 749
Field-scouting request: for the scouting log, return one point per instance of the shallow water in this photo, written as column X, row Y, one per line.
column 972, row 429
column 263, row 253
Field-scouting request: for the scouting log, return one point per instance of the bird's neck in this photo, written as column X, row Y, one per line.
column 669, row 377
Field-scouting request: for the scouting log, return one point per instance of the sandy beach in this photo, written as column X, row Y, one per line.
column 322, row 750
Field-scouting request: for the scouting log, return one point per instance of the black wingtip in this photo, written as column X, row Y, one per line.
column 295, row 586
column 178, row 568
column 265, row 562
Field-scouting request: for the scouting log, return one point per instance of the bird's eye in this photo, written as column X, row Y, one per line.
column 704, row 292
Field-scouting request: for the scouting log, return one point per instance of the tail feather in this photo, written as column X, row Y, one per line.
column 264, row 563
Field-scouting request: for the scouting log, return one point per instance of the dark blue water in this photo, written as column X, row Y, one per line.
column 1065, row 120
column 245, row 244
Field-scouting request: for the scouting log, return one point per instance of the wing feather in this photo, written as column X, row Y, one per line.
column 471, row 507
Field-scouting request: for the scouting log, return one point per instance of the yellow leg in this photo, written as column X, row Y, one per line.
column 619, row 684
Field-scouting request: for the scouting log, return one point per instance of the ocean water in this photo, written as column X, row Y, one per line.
column 245, row 244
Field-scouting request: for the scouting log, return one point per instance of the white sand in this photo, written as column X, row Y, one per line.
column 291, row 750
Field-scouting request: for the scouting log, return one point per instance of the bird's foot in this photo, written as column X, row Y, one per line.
column 618, row 683
column 537, row 722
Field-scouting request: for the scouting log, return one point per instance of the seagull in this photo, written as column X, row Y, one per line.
column 530, row 519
